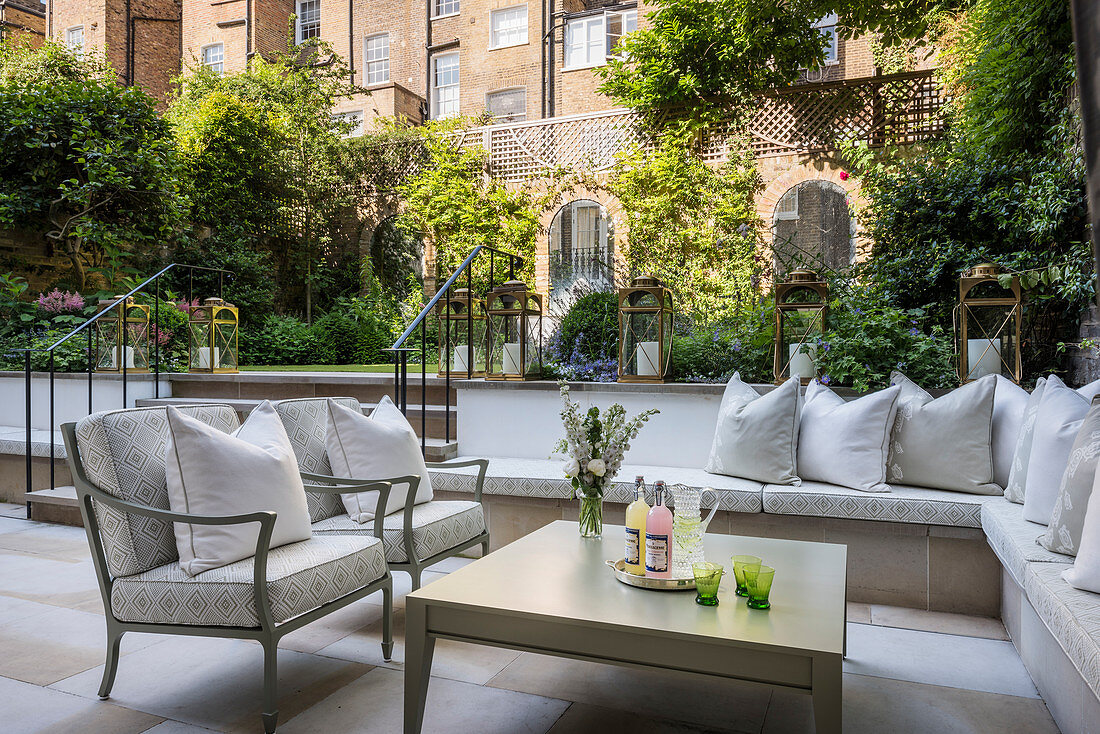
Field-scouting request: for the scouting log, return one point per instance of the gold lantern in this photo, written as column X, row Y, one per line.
column 645, row 331
column 122, row 336
column 462, row 335
column 988, row 324
column 513, row 343
column 213, row 330
column 801, row 306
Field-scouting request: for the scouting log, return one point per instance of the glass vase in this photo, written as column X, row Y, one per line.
column 591, row 516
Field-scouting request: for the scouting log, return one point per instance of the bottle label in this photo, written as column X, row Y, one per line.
column 656, row 553
column 633, row 547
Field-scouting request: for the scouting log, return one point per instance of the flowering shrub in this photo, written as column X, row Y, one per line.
column 713, row 352
column 572, row 364
column 56, row 302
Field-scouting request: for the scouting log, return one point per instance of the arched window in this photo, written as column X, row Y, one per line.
column 394, row 254
column 813, row 228
column 582, row 249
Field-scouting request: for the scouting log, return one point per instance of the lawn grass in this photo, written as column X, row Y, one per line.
column 325, row 368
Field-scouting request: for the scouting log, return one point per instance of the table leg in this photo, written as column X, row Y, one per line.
column 828, row 682
column 418, row 663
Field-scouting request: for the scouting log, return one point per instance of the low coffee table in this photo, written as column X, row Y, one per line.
column 551, row 592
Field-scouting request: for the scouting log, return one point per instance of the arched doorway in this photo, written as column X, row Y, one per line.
column 813, row 228
column 582, row 251
column 394, row 254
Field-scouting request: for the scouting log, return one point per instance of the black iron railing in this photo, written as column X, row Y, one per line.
column 88, row 331
column 401, row 352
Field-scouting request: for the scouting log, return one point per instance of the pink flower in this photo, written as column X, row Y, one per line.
column 843, row 175
column 186, row 306
column 161, row 336
column 56, row 302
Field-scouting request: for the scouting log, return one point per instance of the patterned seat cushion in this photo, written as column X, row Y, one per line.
column 544, row 478
column 437, row 526
column 306, row 421
column 1071, row 615
column 300, row 577
column 1014, row 539
column 123, row 454
column 900, row 504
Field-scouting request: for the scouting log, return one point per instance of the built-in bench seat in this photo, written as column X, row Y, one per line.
column 1071, row 615
column 901, row 504
column 1014, row 539
column 13, row 441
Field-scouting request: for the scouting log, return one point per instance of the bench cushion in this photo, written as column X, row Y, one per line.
column 123, row 453
column 300, row 577
column 1071, row 615
column 1014, row 539
column 437, row 526
column 544, row 478
column 900, row 504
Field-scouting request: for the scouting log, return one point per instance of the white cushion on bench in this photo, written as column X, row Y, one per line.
column 1071, row 615
column 436, row 526
column 300, row 577
column 1014, row 539
column 544, row 478
column 901, row 504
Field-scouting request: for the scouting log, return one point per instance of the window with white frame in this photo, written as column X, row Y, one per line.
column 507, row 105
column 827, row 26
column 74, row 37
column 351, row 123
column 308, row 23
column 508, row 27
column 444, row 7
column 213, row 58
column 445, row 86
column 589, row 40
column 378, row 58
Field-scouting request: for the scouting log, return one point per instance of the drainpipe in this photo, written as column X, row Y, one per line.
column 247, row 31
column 542, row 59
column 129, row 46
column 428, row 66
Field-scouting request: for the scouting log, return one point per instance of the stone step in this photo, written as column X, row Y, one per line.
column 58, row 505
column 436, row 414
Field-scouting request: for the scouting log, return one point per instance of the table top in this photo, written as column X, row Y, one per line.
column 554, row 573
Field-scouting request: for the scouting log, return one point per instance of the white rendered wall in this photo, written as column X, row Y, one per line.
column 525, row 421
column 70, row 396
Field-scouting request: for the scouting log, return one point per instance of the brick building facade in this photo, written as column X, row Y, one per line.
column 22, row 20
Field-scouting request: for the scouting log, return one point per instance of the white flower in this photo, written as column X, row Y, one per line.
column 572, row 468
column 597, row 467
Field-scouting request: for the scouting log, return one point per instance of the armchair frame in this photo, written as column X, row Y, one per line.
column 415, row 566
column 269, row 633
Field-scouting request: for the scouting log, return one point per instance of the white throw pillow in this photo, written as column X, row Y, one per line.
column 1067, row 519
column 1061, row 412
column 382, row 446
column 1017, row 476
column 1009, row 404
column 211, row 472
column 756, row 436
column 945, row 443
column 843, row 442
column 1085, row 573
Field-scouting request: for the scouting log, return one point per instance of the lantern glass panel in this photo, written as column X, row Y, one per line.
column 801, row 321
column 462, row 331
column 225, row 338
column 199, row 327
column 108, row 337
column 137, row 337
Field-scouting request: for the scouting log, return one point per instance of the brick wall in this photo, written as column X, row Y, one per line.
column 22, row 21
column 26, row 253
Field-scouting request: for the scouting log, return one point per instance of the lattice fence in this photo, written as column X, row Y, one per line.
column 898, row 109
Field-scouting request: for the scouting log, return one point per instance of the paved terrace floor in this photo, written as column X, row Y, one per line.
column 907, row 671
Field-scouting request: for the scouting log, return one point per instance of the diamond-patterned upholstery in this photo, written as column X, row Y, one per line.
column 300, row 577
column 436, row 526
column 900, row 504
column 1071, row 615
column 306, row 422
column 544, row 478
column 123, row 454
column 1014, row 539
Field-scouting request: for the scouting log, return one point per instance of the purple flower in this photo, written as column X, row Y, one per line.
column 56, row 302
column 826, row 346
column 914, row 331
column 825, row 380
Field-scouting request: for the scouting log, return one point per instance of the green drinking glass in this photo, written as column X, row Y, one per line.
column 739, row 563
column 758, row 582
column 707, row 578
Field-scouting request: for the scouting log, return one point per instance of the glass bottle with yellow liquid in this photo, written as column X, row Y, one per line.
column 636, row 513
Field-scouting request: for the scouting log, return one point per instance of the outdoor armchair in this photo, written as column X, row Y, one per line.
column 415, row 537
column 117, row 462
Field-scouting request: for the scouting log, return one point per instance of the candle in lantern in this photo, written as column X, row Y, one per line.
column 649, row 359
column 459, row 362
column 513, row 364
column 204, row 358
column 802, row 362
column 983, row 358
column 112, row 357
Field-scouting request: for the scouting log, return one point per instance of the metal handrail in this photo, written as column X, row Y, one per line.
column 401, row 352
column 86, row 328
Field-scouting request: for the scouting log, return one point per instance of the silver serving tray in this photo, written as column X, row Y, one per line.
column 619, row 569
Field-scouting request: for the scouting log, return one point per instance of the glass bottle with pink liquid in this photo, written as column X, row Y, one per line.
column 658, row 537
